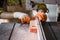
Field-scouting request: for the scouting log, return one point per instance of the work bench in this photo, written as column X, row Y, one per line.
column 16, row 31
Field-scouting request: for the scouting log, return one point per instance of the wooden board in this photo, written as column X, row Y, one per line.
column 21, row 32
column 5, row 30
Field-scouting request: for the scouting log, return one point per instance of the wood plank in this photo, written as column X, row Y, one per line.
column 21, row 32
column 5, row 30
column 41, row 32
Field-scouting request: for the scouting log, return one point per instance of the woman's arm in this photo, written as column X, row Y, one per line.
column 41, row 17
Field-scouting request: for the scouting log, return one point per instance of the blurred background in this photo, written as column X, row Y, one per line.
column 9, row 6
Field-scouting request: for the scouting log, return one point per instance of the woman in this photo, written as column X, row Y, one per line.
column 42, row 9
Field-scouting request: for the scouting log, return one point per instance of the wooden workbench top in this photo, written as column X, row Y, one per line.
column 16, row 31
column 21, row 32
column 5, row 30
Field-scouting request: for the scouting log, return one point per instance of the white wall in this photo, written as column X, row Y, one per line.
column 53, row 13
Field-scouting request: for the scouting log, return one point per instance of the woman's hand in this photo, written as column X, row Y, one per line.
column 25, row 19
column 42, row 17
